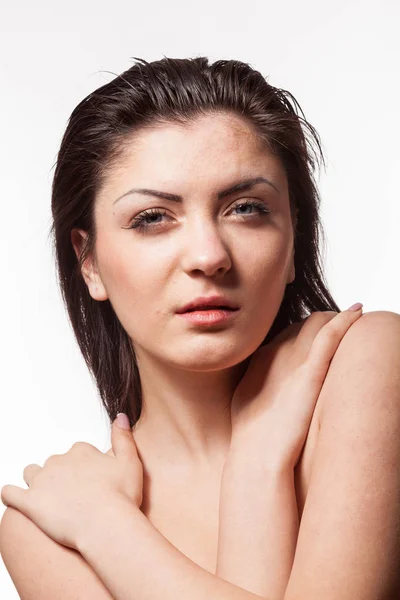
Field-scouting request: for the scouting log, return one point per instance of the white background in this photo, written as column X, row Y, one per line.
column 340, row 60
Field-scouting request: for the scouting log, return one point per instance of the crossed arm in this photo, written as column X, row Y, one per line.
column 348, row 543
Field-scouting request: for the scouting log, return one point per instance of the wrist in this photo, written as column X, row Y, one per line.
column 258, row 522
column 247, row 452
column 103, row 520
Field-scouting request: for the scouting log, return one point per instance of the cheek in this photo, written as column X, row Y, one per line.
column 128, row 278
column 268, row 261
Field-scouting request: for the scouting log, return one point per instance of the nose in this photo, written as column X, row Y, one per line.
column 205, row 251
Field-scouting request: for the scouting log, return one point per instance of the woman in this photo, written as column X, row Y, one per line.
column 183, row 185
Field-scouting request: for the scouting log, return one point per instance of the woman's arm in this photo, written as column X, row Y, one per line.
column 273, row 407
column 258, row 524
column 119, row 553
column 135, row 562
column 41, row 568
column 348, row 544
column 349, row 538
column 258, row 509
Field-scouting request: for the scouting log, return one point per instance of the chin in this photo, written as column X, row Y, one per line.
column 211, row 358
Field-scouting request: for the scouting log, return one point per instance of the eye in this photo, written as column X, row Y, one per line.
column 147, row 219
column 251, row 202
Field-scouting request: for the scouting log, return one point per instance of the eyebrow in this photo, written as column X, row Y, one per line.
column 238, row 187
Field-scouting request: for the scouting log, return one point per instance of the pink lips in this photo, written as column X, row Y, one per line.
column 211, row 302
column 213, row 316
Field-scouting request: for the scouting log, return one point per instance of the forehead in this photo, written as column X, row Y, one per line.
column 209, row 151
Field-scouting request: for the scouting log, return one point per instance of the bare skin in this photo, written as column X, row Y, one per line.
column 186, row 511
column 355, row 399
column 185, row 508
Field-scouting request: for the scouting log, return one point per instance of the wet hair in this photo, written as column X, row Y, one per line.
column 99, row 130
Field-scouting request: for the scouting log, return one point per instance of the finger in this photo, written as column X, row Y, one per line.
column 328, row 339
column 123, row 444
column 29, row 473
column 12, row 495
column 80, row 448
column 51, row 457
column 311, row 326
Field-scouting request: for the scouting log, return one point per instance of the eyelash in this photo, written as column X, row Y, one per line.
column 139, row 222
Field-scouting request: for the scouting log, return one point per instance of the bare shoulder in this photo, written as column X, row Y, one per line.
column 375, row 327
column 42, row 569
column 350, row 523
column 374, row 336
column 369, row 354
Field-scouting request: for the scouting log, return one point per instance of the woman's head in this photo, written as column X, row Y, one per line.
column 189, row 129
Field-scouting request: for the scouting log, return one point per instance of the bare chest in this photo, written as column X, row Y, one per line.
column 187, row 513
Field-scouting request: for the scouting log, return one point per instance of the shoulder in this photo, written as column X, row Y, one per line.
column 378, row 326
column 368, row 361
column 42, row 569
column 354, row 488
column 371, row 325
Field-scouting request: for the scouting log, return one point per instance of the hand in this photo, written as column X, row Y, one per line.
column 273, row 404
column 69, row 487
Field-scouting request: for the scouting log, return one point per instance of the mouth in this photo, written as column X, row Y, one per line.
column 207, row 303
column 209, row 316
column 198, row 308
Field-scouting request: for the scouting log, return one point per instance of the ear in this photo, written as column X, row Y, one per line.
column 89, row 269
column 292, row 272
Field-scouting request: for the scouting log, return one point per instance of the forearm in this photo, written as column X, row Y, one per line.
column 258, row 526
column 136, row 562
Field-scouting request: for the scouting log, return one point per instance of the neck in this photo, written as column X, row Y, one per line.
column 185, row 420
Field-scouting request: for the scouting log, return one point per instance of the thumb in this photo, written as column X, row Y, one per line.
column 121, row 437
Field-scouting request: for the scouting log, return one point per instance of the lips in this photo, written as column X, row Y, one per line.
column 210, row 308
column 208, row 303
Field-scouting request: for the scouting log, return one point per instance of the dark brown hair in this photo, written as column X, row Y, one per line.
column 174, row 91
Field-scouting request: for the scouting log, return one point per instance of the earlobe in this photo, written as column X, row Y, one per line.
column 292, row 273
column 96, row 288
column 89, row 272
column 291, row 279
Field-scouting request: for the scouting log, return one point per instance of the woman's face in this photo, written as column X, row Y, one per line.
column 201, row 245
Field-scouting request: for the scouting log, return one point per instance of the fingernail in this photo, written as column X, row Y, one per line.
column 123, row 421
column 356, row 307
